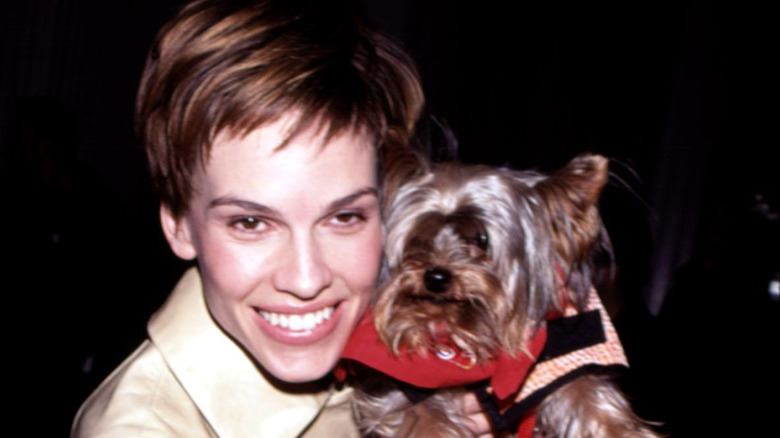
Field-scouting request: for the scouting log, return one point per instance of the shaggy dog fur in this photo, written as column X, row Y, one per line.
column 484, row 256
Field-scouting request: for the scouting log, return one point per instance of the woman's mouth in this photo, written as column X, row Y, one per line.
column 299, row 328
column 298, row 322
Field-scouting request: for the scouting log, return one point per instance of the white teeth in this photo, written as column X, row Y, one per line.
column 296, row 322
column 309, row 321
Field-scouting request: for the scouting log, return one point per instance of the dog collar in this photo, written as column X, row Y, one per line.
column 445, row 367
column 568, row 346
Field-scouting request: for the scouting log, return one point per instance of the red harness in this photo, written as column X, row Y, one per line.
column 557, row 353
column 448, row 366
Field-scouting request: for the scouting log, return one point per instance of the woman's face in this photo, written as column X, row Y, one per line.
column 288, row 242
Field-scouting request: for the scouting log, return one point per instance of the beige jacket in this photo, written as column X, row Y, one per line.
column 190, row 380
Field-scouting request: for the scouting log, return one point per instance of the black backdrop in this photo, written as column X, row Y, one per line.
column 678, row 94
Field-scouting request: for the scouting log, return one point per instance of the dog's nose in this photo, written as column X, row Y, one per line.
column 437, row 280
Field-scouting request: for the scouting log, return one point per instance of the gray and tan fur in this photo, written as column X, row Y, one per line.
column 472, row 250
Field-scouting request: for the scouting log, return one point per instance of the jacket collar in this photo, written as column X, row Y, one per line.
column 224, row 383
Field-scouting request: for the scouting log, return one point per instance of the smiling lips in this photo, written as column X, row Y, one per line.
column 298, row 322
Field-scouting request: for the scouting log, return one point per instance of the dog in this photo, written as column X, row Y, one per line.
column 486, row 287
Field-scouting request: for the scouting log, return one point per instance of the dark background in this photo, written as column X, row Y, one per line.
column 678, row 94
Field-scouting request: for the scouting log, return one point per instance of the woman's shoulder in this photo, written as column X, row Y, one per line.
column 141, row 398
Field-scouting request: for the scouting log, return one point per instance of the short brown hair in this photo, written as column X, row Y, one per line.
column 236, row 65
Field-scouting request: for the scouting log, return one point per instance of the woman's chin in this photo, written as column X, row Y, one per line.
column 302, row 369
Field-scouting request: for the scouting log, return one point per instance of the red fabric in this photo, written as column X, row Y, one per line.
column 506, row 373
column 526, row 428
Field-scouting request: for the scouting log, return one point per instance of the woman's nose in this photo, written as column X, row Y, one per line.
column 302, row 269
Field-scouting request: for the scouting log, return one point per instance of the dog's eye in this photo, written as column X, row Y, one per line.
column 471, row 230
column 481, row 240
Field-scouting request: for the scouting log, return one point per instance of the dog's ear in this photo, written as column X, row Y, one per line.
column 400, row 168
column 581, row 181
column 570, row 197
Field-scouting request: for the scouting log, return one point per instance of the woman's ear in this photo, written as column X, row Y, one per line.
column 177, row 232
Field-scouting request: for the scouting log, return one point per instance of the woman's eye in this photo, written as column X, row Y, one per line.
column 247, row 223
column 348, row 218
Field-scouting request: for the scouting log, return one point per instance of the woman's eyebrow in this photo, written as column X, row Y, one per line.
column 346, row 200
column 264, row 209
column 246, row 205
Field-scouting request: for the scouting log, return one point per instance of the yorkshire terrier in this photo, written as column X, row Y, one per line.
column 487, row 288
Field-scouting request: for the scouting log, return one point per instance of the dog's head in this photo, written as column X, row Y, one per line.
column 482, row 255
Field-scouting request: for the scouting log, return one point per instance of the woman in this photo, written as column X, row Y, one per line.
column 263, row 124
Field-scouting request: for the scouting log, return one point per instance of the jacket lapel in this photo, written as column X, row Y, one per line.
column 219, row 377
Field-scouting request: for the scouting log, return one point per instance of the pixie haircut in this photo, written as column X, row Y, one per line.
column 232, row 66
